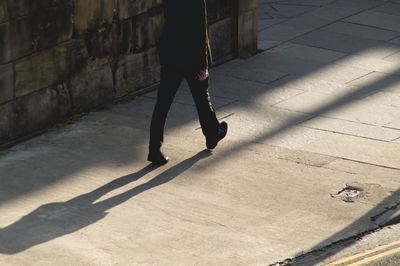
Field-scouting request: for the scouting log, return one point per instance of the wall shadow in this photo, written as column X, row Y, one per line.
column 56, row 219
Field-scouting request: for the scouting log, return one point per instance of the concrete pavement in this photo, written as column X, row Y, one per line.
column 311, row 157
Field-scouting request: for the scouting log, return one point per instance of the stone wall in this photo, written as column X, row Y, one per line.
column 63, row 57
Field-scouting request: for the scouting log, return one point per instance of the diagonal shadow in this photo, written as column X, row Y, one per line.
column 54, row 220
column 353, row 229
column 322, row 250
column 48, row 229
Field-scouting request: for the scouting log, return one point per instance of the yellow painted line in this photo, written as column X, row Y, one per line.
column 378, row 256
column 365, row 253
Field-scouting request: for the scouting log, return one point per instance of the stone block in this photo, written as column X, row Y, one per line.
column 112, row 40
column 51, row 66
column 247, row 5
column 7, row 121
column 222, row 39
column 148, row 29
column 19, row 8
column 33, row 112
column 10, row 9
column 247, row 33
column 51, row 23
column 3, row 11
column 92, row 14
column 16, row 39
column 92, row 89
column 220, row 9
column 136, row 71
column 129, row 8
column 6, row 83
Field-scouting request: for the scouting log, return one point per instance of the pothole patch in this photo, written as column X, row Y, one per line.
column 348, row 194
column 362, row 193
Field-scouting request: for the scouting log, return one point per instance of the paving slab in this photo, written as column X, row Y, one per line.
column 261, row 75
column 236, row 89
column 311, row 20
column 272, row 126
column 339, row 74
column 395, row 41
column 380, row 174
column 292, row 28
column 266, row 44
column 361, row 31
column 376, row 19
column 359, row 149
column 306, row 83
column 378, row 81
column 389, row 8
column 348, row 44
column 283, row 10
column 316, row 3
column 386, row 98
column 341, row 108
column 395, row 124
column 372, row 64
column 265, row 19
column 359, row 4
column 267, row 22
column 279, row 60
column 308, row 52
column 352, row 128
column 245, row 92
column 393, row 58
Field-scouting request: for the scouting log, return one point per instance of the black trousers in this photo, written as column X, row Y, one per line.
column 171, row 78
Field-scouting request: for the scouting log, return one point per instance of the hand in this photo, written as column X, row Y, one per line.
column 203, row 74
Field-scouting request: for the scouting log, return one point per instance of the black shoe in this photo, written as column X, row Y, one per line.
column 222, row 130
column 157, row 158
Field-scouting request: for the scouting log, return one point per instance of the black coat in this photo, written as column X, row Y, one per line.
column 184, row 41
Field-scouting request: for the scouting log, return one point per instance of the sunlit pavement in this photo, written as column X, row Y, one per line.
column 311, row 157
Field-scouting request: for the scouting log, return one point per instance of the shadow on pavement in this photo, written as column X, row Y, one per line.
column 54, row 220
column 322, row 251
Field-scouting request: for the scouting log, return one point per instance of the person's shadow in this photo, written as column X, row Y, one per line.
column 53, row 220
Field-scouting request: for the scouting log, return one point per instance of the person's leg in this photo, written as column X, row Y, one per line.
column 170, row 82
column 207, row 117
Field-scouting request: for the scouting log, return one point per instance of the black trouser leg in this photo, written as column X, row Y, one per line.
column 208, row 120
column 170, row 82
